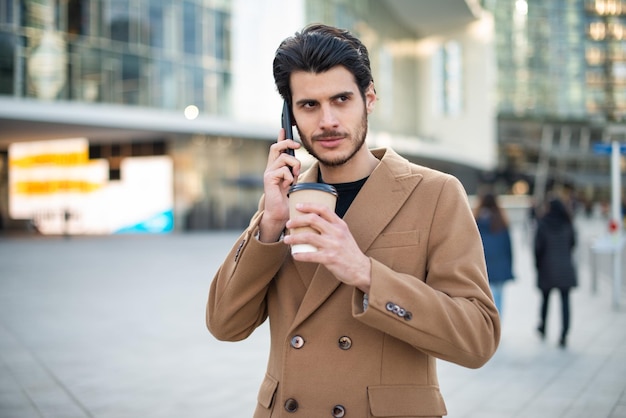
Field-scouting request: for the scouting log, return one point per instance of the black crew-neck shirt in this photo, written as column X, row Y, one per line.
column 346, row 192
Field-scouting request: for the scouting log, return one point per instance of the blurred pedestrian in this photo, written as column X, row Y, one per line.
column 494, row 231
column 555, row 240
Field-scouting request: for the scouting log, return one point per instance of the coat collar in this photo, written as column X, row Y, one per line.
column 381, row 197
column 384, row 193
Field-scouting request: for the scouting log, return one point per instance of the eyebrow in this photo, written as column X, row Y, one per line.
column 333, row 97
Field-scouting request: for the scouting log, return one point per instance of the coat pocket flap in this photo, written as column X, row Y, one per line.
column 396, row 239
column 267, row 391
column 406, row 401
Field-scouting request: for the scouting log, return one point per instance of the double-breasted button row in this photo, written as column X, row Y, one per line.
column 297, row 341
column 291, row 405
column 399, row 310
column 345, row 343
column 338, row 411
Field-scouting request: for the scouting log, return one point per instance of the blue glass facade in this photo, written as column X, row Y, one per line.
column 561, row 58
column 125, row 52
column 561, row 86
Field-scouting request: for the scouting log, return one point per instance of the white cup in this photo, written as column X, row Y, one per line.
column 322, row 193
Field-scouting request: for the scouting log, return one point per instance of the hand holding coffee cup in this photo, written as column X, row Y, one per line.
column 309, row 193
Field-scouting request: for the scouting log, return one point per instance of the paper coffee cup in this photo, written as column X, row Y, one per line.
column 309, row 193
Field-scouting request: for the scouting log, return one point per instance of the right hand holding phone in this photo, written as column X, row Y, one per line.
column 281, row 172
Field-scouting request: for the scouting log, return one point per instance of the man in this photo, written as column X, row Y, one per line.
column 399, row 279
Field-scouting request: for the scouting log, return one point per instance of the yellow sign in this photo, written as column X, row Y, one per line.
column 48, row 179
column 65, row 159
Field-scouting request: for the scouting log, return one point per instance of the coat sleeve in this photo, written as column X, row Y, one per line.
column 450, row 313
column 237, row 303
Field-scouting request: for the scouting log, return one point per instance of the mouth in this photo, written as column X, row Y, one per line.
column 330, row 141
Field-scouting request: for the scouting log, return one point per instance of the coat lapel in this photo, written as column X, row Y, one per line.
column 379, row 200
column 383, row 195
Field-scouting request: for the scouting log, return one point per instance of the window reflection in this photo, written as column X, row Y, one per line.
column 133, row 52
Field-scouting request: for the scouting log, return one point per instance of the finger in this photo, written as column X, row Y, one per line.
column 288, row 176
column 305, row 237
column 310, row 220
column 278, row 173
column 321, row 210
column 281, row 146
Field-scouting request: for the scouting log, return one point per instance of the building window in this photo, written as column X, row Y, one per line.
column 7, row 64
column 192, row 18
column 449, row 79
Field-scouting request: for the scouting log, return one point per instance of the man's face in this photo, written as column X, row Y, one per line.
column 330, row 113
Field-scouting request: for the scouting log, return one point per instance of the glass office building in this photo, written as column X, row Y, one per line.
column 159, row 54
column 129, row 54
column 187, row 85
column 561, row 89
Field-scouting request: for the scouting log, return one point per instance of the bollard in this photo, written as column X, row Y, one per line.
column 612, row 245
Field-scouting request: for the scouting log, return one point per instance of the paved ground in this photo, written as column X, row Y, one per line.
column 113, row 327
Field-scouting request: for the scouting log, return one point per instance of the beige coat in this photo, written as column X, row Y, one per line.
column 429, row 299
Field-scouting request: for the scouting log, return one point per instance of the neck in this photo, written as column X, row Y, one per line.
column 359, row 166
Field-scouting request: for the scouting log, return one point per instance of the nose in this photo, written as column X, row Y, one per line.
column 328, row 119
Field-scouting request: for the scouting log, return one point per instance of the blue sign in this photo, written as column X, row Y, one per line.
column 604, row 148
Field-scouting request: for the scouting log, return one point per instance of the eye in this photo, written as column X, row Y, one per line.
column 308, row 105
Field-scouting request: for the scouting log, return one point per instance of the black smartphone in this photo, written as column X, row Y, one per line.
column 287, row 126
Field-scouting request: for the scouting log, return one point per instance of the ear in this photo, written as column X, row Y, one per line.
column 370, row 98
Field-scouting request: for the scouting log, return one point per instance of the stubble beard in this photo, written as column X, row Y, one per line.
column 357, row 139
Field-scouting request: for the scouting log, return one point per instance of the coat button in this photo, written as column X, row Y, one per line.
column 345, row 343
column 297, row 341
column 339, row 411
column 408, row 316
column 291, row 405
column 389, row 306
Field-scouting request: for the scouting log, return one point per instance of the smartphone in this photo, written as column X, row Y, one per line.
column 287, row 126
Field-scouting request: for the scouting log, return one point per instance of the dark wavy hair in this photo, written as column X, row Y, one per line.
column 318, row 48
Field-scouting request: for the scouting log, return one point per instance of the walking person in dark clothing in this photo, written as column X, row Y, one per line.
column 555, row 239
